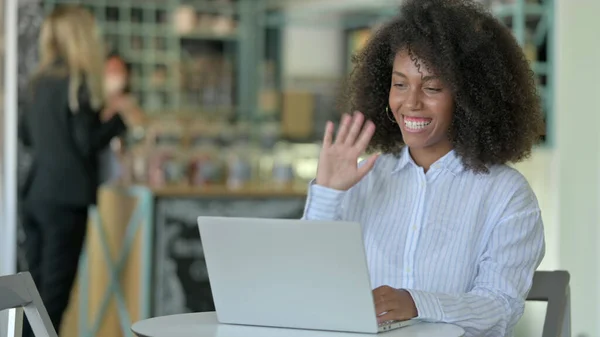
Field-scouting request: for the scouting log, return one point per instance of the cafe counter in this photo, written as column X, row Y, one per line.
column 143, row 254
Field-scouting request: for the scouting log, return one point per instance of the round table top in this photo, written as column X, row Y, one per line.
column 205, row 324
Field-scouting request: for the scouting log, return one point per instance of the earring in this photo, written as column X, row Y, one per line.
column 387, row 113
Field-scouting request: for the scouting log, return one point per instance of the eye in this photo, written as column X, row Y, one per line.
column 399, row 85
column 433, row 89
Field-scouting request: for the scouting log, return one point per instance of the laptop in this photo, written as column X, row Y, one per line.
column 290, row 274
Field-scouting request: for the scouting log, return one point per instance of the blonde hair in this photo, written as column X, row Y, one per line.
column 70, row 35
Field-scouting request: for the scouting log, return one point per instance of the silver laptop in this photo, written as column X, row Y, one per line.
column 290, row 273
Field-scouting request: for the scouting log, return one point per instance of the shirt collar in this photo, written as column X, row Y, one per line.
column 450, row 162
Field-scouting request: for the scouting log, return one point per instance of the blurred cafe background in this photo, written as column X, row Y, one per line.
column 235, row 95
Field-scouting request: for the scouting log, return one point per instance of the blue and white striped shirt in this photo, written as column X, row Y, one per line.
column 464, row 245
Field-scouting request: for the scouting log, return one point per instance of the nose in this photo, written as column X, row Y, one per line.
column 413, row 99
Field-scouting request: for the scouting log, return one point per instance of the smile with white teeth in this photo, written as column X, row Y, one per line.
column 416, row 125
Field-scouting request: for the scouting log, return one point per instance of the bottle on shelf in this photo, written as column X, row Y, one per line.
column 283, row 166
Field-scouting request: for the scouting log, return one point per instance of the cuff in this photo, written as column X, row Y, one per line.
column 322, row 203
column 116, row 125
column 428, row 305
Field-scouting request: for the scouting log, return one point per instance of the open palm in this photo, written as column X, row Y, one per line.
column 338, row 162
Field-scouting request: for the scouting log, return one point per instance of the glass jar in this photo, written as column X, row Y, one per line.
column 283, row 165
column 206, row 167
column 240, row 168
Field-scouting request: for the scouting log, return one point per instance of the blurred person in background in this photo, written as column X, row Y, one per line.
column 65, row 130
column 117, row 87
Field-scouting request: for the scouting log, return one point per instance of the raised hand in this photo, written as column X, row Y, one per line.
column 338, row 168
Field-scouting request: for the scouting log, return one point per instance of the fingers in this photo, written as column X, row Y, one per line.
column 352, row 133
column 382, row 294
column 343, row 129
column 384, row 306
column 357, row 123
column 366, row 167
column 365, row 136
column 328, row 137
column 388, row 316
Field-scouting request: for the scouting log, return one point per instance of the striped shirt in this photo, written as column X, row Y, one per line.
column 464, row 245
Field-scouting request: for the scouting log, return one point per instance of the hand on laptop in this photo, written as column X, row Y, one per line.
column 338, row 167
column 393, row 304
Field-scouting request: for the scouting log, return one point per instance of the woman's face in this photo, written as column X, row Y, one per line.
column 421, row 104
column 115, row 76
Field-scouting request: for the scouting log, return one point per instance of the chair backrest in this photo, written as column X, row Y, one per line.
column 553, row 287
column 18, row 293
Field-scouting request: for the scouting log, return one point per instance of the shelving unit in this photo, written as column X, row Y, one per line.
column 192, row 70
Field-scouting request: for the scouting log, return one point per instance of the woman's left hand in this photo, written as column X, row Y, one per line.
column 393, row 304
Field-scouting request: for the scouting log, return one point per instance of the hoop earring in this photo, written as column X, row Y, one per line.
column 387, row 114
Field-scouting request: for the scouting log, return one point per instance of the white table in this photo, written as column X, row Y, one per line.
column 206, row 325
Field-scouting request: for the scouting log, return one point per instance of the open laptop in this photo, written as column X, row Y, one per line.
column 290, row 273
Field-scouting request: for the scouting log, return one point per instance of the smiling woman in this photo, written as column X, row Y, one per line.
column 451, row 232
column 422, row 105
column 457, row 48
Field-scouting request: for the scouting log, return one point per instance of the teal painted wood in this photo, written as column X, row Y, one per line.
column 260, row 49
column 248, row 58
column 84, row 282
column 147, row 211
column 519, row 21
column 174, row 47
column 549, row 7
column 142, row 220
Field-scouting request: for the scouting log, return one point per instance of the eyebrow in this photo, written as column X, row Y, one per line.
column 424, row 79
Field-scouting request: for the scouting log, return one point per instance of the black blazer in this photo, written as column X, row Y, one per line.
column 64, row 144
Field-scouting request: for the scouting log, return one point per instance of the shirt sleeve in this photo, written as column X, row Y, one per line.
column 323, row 203
column 506, row 267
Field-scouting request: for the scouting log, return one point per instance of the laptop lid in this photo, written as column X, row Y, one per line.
column 288, row 273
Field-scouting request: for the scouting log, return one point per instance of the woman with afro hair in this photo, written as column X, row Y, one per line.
column 445, row 99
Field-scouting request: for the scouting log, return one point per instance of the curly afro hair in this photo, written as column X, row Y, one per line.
column 497, row 117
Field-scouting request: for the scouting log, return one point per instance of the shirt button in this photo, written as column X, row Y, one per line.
column 408, row 270
column 414, row 227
